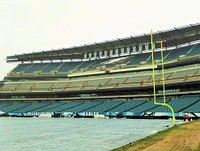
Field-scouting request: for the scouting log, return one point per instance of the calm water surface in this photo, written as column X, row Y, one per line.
column 37, row 134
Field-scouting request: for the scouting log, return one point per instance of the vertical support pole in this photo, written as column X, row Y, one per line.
column 153, row 71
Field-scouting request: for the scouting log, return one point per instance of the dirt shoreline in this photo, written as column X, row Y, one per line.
column 184, row 137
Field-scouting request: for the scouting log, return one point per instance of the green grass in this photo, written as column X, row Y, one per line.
column 152, row 139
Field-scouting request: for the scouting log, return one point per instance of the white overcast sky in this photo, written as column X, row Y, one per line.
column 35, row 25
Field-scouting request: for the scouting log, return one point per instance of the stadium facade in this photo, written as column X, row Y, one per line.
column 112, row 78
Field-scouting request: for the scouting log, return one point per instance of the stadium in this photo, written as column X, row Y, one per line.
column 111, row 78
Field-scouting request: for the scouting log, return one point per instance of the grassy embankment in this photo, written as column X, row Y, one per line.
column 184, row 137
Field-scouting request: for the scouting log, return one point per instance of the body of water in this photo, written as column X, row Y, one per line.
column 41, row 134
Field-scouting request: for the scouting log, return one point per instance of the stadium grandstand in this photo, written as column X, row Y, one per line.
column 111, row 78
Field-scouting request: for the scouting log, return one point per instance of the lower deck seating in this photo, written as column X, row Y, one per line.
column 179, row 104
column 50, row 107
column 4, row 105
column 194, row 107
column 105, row 106
column 143, row 107
column 16, row 106
column 83, row 107
column 182, row 104
column 64, row 106
column 32, row 107
column 127, row 105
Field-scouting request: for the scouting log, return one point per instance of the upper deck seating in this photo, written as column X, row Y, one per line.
column 46, row 67
column 21, row 67
column 173, row 54
column 96, row 63
column 35, row 67
column 68, row 66
column 84, row 65
column 52, row 67
column 135, row 60
column 195, row 50
column 115, row 62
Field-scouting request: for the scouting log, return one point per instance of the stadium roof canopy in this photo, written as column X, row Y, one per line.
column 171, row 38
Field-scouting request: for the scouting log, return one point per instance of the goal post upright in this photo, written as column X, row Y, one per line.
column 163, row 79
